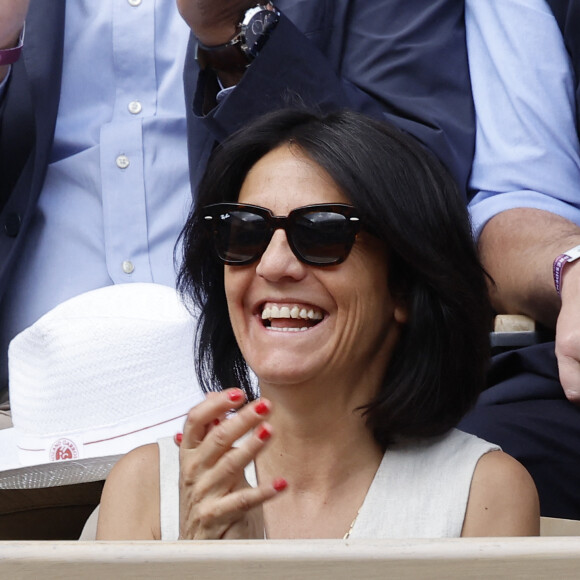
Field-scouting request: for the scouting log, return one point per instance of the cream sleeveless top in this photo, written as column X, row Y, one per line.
column 420, row 490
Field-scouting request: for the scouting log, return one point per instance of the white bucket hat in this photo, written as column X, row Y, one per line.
column 97, row 376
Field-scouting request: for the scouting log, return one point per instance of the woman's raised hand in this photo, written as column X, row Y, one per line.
column 215, row 500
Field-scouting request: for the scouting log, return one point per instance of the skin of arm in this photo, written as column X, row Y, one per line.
column 127, row 511
column 12, row 15
column 503, row 500
column 518, row 248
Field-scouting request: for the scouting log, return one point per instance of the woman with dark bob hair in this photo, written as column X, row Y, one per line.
column 343, row 332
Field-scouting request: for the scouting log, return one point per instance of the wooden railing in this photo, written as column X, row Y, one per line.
column 500, row 558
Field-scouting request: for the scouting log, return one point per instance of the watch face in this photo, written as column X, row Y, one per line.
column 255, row 32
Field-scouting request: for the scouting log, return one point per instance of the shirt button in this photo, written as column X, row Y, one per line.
column 135, row 107
column 128, row 267
column 12, row 225
column 134, row 2
column 122, row 162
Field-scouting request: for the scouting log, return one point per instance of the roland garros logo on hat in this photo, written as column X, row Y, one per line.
column 63, row 449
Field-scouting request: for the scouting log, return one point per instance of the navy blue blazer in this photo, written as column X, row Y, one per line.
column 404, row 60
column 27, row 120
column 567, row 13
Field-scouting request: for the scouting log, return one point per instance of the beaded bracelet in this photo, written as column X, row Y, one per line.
column 11, row 55
column 560, row 262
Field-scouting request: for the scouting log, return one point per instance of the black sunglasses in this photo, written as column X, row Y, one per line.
column 319, row 235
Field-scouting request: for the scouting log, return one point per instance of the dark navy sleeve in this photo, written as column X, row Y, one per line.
column 404, row 60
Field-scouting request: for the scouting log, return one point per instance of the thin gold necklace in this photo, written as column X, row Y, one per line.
column 345, row 537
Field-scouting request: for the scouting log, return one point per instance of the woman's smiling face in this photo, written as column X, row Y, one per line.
column 294, row 322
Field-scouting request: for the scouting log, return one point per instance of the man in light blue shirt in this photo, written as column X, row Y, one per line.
column 526, row 213
column 527, row 149
column 119, row 156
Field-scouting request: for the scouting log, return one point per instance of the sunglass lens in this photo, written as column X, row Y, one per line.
column 240, row 236
column 323, row 237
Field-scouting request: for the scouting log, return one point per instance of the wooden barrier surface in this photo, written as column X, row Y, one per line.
column 499, row 558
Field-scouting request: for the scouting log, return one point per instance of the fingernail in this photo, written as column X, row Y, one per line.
column 261, row 408
column 178, row 438
column 280, row 484
column 235, row 395
column 264, row 433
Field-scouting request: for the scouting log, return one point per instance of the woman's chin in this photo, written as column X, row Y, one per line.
column 283, row 373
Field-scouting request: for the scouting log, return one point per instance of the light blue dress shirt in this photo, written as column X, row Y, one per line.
column 117, row 190
column 527, row 152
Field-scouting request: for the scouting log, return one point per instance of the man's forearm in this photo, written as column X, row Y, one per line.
column 12, row 15
column 518, row 248
column 9, row 42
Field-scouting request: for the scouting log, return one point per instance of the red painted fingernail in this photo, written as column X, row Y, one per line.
column 178, row 438
column 264, row 433
column 235, row 395
column 280, row 484
column 261, row 408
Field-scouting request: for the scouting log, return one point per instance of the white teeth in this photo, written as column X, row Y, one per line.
column 286, row 329
column 274, row 311
column 314, row 315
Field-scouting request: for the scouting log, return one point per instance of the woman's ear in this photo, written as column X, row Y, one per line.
column 400, row 289
column 401, row 312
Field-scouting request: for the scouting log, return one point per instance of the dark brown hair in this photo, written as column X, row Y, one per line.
column 408, row 200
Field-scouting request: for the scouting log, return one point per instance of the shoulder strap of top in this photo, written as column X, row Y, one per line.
column 421, row 490
column 168, row 488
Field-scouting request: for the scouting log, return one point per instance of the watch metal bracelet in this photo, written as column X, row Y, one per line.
column 239, row 52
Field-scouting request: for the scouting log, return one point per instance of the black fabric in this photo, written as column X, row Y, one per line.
column 525, row 411
column 567, row 13
column 27, row 120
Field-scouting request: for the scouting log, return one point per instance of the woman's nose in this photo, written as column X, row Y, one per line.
column 278, row 261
